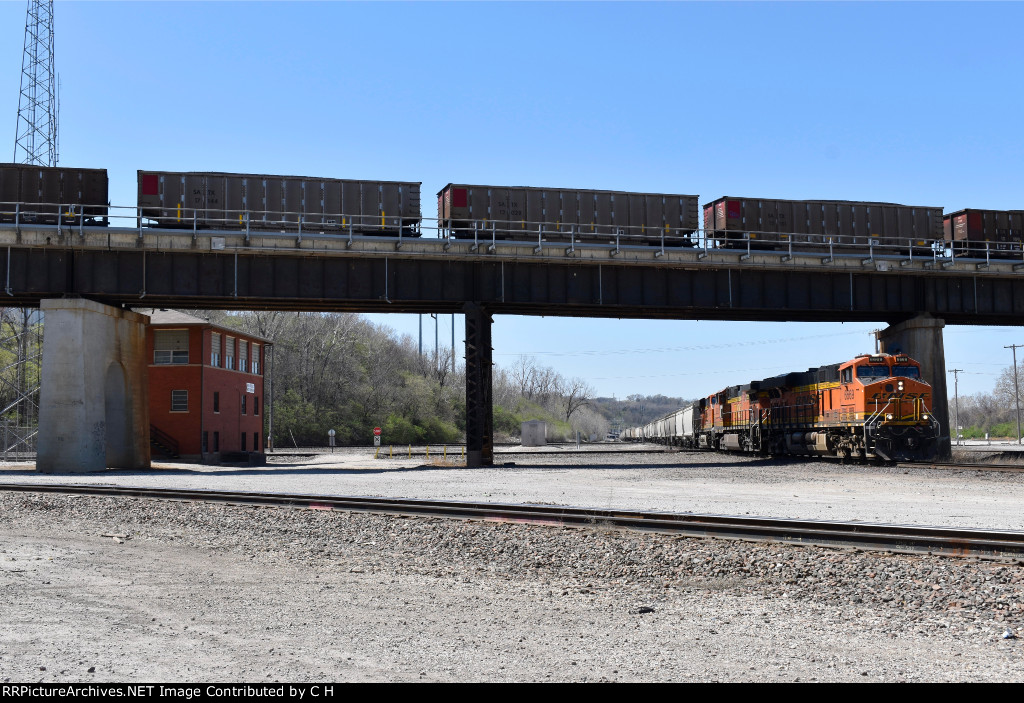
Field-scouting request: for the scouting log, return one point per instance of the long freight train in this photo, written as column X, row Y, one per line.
column 875, row 406
column 234, row 201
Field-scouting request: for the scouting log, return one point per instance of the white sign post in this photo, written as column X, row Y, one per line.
column 330, row 439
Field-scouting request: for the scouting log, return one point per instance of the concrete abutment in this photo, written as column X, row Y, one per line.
column 921, row 338
column 94, row 399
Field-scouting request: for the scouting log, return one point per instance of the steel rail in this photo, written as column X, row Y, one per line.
column 962, row 466
column 945, row 541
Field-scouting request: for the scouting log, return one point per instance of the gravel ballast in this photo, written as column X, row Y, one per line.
column 696, row 482
column 158, row 590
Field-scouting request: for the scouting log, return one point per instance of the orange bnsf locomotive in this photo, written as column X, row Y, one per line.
column 872, row 407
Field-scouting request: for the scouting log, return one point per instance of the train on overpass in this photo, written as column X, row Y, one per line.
column 233, row 201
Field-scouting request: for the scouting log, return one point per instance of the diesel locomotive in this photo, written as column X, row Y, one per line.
column 873, row 407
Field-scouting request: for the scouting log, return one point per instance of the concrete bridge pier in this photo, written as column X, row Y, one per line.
column 93, row 400
column 921, row 338
column 479, row 405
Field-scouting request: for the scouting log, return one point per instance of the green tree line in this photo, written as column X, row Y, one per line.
column 341, row 371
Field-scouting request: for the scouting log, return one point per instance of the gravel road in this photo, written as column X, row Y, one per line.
column 111, row 589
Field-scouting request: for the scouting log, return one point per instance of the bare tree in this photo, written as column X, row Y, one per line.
column 523, row 374
column 576, row 393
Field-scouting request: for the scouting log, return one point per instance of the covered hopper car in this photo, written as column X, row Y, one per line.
column 875, row 406
column 51, row 194
column 843, row 225
column 278, row 203
column 553, row 214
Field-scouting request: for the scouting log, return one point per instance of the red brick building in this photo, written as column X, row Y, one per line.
column 205, row 387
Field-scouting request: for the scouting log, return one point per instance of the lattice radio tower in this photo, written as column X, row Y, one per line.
column 35, row 142
column 36, row 137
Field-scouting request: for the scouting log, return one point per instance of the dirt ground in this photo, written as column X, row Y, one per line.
column 99, row 589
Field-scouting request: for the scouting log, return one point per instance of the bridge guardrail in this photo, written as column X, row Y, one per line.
column 69, row 218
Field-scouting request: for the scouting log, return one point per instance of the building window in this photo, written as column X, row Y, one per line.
column 229, row 353
column 256, row 442
column 243, row 441
column 243, row 355
column 206, row 441
column 255, row 405
column 255, row 357
column 216, row 441
column 179, row 401
column 170, row 346
column 243, row 405
column 215, row 349
column 216, row 401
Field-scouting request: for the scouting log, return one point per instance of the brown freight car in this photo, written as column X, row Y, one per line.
column 559, row 214
column 282, row 203
column 845, row 225
column 42, row 194
column 985, row 233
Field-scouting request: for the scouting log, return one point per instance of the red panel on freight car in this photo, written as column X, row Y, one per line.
column 459, row 197
column 734, row 210
column 150, row 184
column 974, row 223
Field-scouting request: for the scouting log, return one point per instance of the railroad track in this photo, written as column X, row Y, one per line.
column 953, row 542
column 961, row 466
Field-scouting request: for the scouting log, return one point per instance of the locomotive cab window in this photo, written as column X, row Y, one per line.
column 848, row 375
column 906, row 371
column 869, row 372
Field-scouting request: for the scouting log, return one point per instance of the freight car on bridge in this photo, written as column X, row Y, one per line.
column 48, row 195
column 875, row 406
column 981, row 233
column 239, row 201
column 553, row 214
column 843, row 226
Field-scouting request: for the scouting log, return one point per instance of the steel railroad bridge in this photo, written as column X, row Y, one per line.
column 120, row 268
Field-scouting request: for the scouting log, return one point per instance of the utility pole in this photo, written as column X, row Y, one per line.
column 436, row 363
column 956, row 407
column 1016, row 389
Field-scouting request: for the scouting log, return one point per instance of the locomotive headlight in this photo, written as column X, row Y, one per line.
column 899, row 386
column 888, row 416
column 924, row 417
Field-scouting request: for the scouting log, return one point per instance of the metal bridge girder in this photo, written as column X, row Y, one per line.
column 195, row 278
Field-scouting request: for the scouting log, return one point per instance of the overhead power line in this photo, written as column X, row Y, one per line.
column 662, row 350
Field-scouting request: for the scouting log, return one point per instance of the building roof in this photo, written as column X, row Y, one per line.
column 164, row 317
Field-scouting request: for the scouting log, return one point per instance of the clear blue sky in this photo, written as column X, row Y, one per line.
column 917, row 103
